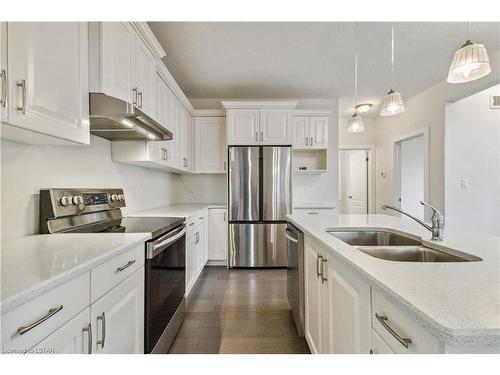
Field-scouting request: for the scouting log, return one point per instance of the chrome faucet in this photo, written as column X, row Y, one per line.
column 437, row 220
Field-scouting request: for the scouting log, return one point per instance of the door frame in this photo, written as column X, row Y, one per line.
column 371, row 151
column 395, row 165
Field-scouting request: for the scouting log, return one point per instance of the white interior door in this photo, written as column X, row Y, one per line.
column 410, row 175
column 354, row 181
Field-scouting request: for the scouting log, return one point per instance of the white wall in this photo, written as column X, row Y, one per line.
column 28, row 168
column 308, row 190
column 366, row 138
column 427, row 109
column 472, row 152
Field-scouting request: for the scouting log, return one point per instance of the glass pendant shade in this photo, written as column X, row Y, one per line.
column 392, row 104
column 356, row 124
column 469, row 63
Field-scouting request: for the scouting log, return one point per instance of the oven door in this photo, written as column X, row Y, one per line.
column 165, row 289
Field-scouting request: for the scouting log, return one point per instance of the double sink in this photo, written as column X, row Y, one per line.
column 396, row 247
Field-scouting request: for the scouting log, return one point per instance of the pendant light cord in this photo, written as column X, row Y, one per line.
column 468, row 30
column 355, row 66
column 392, row 55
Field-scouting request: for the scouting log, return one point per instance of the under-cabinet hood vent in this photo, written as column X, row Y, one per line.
column 115, row 119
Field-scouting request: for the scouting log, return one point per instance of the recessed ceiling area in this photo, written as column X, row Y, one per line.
column 285, row 60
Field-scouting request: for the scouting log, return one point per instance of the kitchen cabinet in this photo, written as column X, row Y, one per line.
column 145, row 72
column 243, row 126
column 45, row 80
column 210, row 145
column 310, row 132
column 337, row 305
column 217, row 234
column 4, row 113
column 196, row 248
column 75, row 337
column 275, row 126
column 112, row 50
column 379, row 346
column 186, row 140
column 117, row 318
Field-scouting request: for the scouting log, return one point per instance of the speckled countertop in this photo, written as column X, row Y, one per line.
column 459, row 303
column 32, row 265
column 178, row 210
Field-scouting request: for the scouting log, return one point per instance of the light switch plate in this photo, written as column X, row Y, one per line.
column 464, row 183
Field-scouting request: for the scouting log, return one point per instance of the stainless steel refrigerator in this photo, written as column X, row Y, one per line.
column 260, row 196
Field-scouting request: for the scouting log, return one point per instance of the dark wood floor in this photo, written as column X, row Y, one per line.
column 242, row 311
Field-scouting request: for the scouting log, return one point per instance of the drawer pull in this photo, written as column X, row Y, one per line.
column 102, row 318
column 53, row 311
column 120, row 269
column 89, row 341
column 319, row 259
column 323, row 278
column 383, row 320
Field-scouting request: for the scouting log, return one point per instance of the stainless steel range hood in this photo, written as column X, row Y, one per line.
column 115, row 119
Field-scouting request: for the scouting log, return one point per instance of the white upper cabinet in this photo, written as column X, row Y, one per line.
column 210, row 144
column 275, row 126
column 259, row 123
column 47, row 82
column 318, row 132
column 310, row 131
column 4, row 113
column 243, row 126
column 300, row 129
column 112, row 59
column 145, row 72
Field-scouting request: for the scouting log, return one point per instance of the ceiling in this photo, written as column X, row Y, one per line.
column 289, row 60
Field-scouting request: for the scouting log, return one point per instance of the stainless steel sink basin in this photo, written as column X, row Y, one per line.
column 373, row 238
column 395, row 247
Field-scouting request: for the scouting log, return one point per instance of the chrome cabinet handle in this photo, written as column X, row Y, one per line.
column 134, row 96
column 191, row 224
column 89, row 341
column 261, row 136
column 102, row 318
column 256, row 136
column 22, row 84
column 402, row 340
column 3, row 98
column 311, row 141
column 139, row 96
column 224, row 165
column 307, row 141
column 130, row 262
column 323, row 278
column 200, row 218
column 287, row 235
column 166, row 154
column 53, row 311
column 318, row 273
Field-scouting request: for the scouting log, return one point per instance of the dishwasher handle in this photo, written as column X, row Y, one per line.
column 288, row 235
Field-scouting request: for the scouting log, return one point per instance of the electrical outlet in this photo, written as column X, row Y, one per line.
column 464, row 183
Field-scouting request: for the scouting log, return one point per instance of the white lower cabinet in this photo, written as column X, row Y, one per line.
column 75, row 337
column 196, row 248
column 337, row 305
column 117, row 318
column 217, row 234
column 379, row 346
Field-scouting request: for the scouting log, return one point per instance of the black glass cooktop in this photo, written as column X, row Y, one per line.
column 154, row 225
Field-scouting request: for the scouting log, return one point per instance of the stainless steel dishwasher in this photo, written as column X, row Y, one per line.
column 295, row 275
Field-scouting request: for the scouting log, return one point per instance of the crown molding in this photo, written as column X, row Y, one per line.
column 311, row 112
column 144, row 31
column 209, row 113
column 259, row 104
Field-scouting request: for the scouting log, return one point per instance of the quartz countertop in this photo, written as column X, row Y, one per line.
column 33, row 265
column 178, row 210
column 459, row 303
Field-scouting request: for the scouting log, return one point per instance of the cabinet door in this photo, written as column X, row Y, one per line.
column 75, row 337
column 48, row 78
column 118, row 318
column 217, row 234
column 186, row 137
column 318, row 132
column 313, row 299
column 145, row 71
column 210, row 145
column 276, row 126
column 117, row 51
column 243, row 126
column 4, row 113
column 300, row 132
column 349, row 311
column 191, row 252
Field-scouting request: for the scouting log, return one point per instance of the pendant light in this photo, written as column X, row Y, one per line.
column 392, row 104
column 469, row 63
column 356, row 124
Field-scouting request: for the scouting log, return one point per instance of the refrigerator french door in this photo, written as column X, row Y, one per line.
column 260, row 197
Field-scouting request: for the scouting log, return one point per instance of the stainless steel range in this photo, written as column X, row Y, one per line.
column 99, row 211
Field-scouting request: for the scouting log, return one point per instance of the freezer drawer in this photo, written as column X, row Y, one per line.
column 257, row 245
column 276, row 183
column 244, row 183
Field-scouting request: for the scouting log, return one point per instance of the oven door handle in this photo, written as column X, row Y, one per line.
column 156, row 248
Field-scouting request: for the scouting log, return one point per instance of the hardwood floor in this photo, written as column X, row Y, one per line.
column 242, row 311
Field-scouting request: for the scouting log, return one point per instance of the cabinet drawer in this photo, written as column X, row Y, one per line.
column 387, row 317
column 195, row 219
column 379, row 346
column 106, row 276
column 52, row 310
column 313, row 211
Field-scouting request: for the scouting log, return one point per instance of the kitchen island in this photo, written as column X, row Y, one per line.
column 454, row 305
